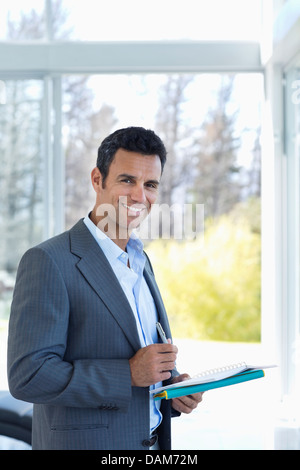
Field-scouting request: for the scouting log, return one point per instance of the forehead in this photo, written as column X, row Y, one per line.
column 135, row 164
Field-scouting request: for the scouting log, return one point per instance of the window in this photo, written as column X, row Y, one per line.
column 210, row 124
column 21, row 177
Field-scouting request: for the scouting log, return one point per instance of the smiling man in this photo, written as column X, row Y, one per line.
column 125, row 196
column 83, row 345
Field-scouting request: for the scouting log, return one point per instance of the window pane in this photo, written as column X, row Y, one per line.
column 21, row 20
column 210, row 124
column 21, row 178
column 163, row 20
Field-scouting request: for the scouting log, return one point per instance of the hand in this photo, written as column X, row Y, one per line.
column 152, row 364
column 187, row 403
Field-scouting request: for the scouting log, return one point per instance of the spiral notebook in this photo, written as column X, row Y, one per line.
column 210, row 379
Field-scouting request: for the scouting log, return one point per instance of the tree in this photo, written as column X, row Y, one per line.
column 32, row 24
column 254, row 172
column 216, row 183
column 21, row 147
column 21, row 184
column 86, row 130
column 172, row 129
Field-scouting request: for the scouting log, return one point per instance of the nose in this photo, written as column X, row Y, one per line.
column 137, row 194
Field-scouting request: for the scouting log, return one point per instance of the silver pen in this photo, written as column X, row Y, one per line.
column 161, row 332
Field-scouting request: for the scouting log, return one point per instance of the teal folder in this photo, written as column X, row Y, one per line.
column 189, row 390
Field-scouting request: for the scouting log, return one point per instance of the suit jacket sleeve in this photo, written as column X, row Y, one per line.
column 38, row 329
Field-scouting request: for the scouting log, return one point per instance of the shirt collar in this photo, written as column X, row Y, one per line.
column 107, row 245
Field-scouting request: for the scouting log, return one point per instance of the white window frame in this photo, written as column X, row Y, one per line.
column 280, row 217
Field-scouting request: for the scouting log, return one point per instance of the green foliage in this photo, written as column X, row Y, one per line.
column 211, row 287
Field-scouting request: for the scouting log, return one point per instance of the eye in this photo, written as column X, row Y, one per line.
column 151, row 185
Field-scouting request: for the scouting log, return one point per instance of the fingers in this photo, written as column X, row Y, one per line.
column 163, row 357
column 152, row 364
column 164, row 348
column 180, row 378
column 187, row 403
column 163, row 361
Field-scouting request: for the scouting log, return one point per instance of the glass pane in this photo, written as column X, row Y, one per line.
column 210, row 124
column 21, row 184
column 21, row 20
column 163, row 20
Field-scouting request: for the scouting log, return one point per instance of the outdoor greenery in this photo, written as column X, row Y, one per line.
column 211, row 286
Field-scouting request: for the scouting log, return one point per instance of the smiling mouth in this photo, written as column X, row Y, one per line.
column 134, row 210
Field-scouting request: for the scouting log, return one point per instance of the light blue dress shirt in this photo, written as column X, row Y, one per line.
column 137, row 292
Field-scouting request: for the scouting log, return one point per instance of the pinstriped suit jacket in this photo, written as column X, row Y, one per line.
column 71, row 334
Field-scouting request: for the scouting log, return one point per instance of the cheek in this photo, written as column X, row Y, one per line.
column 119, row 194
column 123, row 191
column 152, row 198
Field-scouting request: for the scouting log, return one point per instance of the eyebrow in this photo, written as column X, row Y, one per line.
column 126, row 175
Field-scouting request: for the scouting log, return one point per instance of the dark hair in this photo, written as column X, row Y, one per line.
column 132, row 139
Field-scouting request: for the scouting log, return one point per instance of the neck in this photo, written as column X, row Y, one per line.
column 118, row 236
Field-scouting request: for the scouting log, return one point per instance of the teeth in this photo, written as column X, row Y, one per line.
column 134, row 209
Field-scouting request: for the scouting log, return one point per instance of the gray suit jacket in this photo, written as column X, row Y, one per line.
column 71, row 334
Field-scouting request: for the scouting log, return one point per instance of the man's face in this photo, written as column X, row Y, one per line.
column 130, row 189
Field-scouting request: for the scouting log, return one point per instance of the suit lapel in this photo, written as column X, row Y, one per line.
column 97, row 271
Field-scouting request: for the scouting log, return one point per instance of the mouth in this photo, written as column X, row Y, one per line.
column 134, row 210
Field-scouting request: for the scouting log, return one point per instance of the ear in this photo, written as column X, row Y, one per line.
column 96, row 179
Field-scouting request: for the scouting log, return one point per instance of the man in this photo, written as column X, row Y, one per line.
column 82, row 343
